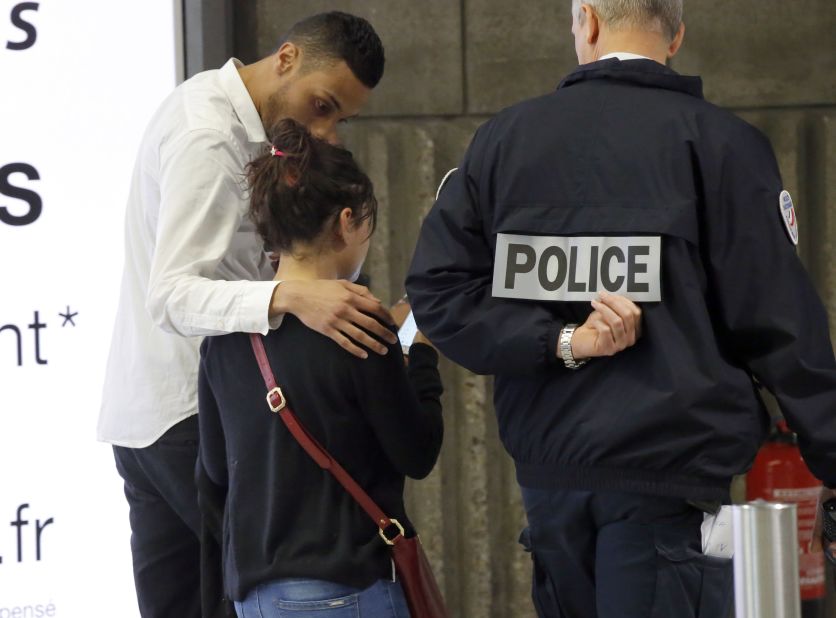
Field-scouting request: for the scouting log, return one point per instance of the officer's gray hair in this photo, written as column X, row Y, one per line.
column 660, row 15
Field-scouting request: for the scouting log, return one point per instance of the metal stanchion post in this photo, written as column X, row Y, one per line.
column 766, row 561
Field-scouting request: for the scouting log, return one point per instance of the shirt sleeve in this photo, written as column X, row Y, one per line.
column 450, row 281
column 404, row 409
column 769, row 315
column 201, row 190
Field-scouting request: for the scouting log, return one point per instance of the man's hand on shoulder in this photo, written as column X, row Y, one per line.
column 339, row 310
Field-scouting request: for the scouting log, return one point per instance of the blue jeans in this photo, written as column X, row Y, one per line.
column 312, row 598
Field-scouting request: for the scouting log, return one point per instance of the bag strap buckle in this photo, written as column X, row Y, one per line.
column 276, row 400
column 394, row 539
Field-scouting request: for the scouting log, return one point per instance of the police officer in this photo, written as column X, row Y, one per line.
column 624, row 180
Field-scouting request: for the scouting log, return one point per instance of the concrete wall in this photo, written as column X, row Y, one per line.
column 452, row 63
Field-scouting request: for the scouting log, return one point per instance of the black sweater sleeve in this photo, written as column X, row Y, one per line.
column 403, row 407
column 211, row 494
column 212, row 441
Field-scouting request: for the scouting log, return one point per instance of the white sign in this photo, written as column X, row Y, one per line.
column 577, row 268
column 81, row 79
column 407, row 332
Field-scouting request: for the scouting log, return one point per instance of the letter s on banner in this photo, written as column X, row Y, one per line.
column 19, row 22
column 27, row 195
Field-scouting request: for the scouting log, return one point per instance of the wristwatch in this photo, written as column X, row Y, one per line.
column 564, row 347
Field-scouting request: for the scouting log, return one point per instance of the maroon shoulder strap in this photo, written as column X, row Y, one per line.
column 278, row 404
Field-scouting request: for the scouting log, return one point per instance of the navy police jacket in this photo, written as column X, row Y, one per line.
column 566, row 193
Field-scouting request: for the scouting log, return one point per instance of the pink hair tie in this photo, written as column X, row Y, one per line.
column 275, row 151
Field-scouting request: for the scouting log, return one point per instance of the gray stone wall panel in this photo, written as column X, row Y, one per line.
column 821, row 132
column 515, row 51
column 423, row 48
column 754, row 53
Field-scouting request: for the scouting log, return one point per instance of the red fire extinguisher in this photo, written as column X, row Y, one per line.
column 780, row 475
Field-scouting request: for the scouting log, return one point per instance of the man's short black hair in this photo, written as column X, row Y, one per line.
column 338, row 36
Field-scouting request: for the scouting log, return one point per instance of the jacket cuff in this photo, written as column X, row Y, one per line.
column 551, row 342
column 422, row 354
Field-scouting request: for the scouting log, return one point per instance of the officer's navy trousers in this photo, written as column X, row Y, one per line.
column 619, row 555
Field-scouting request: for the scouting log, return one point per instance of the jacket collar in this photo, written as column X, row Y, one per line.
column 642, row 72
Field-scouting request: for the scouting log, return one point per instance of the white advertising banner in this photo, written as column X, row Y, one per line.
column 80, row 80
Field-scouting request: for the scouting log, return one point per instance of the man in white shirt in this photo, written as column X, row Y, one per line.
column 194, row 267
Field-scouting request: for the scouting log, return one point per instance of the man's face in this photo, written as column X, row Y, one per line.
column 319, row 99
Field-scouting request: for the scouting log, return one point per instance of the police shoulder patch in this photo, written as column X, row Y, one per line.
column 788, row 215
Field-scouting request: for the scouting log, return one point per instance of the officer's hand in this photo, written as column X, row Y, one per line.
column 614, row 326
column 337, row 309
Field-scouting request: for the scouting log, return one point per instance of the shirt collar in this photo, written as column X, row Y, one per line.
column 624, row 56
column 232, row 84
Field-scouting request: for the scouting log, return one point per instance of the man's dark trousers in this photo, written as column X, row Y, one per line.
column 165, row 521
column 620, row 555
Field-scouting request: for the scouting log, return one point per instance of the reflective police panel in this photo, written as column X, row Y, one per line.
column 577, row 268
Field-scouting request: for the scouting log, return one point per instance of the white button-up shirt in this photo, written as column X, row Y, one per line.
column 194, row 264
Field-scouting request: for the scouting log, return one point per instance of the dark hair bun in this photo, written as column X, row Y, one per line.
column 306, row 184
column 294, row 144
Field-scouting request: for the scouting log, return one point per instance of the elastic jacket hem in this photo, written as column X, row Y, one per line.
column 561, row 476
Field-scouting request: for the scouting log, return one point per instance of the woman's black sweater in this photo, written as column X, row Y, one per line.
column 283, row 516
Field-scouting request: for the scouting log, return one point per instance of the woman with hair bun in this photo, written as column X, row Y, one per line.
column 294, row 542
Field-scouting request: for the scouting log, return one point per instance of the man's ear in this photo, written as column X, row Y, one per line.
column 592, row 24
column 286, row 58
column 677, row 41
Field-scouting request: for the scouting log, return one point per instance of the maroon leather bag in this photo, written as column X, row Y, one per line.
column 420, row 588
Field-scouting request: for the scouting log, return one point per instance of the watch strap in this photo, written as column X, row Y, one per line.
column 565, row 347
